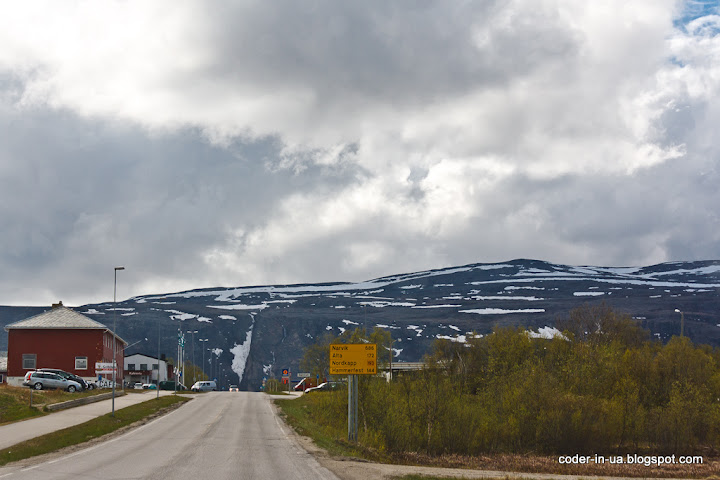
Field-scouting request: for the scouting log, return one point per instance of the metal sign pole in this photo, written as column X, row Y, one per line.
column 352, row 408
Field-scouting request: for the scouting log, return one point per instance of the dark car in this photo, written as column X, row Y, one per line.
column 83, row 384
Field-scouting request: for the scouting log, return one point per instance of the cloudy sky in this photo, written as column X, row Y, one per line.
column 274, row 142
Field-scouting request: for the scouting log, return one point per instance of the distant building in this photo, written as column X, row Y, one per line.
column 61, row 338
column 144, row 369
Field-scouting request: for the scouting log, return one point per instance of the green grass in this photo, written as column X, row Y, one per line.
column 15, row 401
column 87, row 431
column 297, row 413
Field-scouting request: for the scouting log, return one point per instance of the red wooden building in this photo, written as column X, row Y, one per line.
column 61, row 338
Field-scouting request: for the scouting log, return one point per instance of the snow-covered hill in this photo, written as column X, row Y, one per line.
column 254, row 332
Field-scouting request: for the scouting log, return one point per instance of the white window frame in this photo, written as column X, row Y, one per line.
column 81, row 363
column 28, row 359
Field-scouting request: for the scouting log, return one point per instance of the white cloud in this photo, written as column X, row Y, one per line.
column 266, row 143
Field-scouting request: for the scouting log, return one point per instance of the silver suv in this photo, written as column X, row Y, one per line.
column 42, row 380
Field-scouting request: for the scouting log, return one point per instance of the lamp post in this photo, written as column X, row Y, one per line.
column 157, row 380
column 203, row 354
column 193, row 354
column 115, row 366
column 682, row 321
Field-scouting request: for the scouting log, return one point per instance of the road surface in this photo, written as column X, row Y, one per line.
column 216, row 436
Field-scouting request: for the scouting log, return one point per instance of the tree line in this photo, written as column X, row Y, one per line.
column 602, row 386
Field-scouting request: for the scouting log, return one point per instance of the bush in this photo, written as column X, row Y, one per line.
column 607, row 391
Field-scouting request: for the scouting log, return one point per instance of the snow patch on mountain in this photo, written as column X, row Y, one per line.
column 240, row 354
column 437, row 306
column 239, row 306
column 387, row 304
column 182, row 316
column 546, row 332
column 501, row 311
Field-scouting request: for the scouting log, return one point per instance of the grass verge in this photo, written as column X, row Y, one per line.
column 15, row 401
column 297, row 413
column 89, row 430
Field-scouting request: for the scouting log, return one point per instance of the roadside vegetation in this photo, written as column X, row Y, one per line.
column 89, row 430
column 604, row 387
column 15, row 401
column 273, row 386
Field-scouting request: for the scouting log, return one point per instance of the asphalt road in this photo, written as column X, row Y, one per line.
column 216, row 436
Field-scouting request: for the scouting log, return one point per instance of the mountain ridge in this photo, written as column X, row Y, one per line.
column 255, row 331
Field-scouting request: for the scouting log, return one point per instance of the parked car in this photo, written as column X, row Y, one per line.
column 149, row 386
column 70, row 376
column 138, row 386
column 234, row 388
column 326, row 387
column 204, row 386
column 48, row 380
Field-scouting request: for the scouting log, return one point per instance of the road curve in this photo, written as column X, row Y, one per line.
column 217, row 435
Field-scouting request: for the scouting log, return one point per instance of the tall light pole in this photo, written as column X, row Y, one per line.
column 193, row 354
column 157, row 381
column 203, row 354
column 115, row 366
column 682, row 321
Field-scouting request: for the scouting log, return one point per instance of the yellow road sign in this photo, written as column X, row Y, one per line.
column 353, row 359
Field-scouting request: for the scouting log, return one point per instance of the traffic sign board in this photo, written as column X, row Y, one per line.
column 104, row 368
column 304, row 375
column 353, row 359
column 285, row 372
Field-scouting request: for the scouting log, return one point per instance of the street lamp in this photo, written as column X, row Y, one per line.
column 193, row 354
column 115, row 366
column 682, row 321
column 203, row 354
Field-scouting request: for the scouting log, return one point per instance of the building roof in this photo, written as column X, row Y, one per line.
column 59, row 317
column 143, row 355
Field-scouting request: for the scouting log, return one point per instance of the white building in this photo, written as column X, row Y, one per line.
column 144, row 368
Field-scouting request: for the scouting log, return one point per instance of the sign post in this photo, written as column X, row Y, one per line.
column 286, row 377
column 353, row 360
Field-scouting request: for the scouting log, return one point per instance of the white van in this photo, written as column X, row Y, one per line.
column 205, row 386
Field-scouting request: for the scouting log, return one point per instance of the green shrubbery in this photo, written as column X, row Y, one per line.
column 604, row 387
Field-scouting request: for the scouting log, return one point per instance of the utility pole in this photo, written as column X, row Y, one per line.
column 115, row 365
column 682, row 321
column 203, row 340
column 352, row 408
